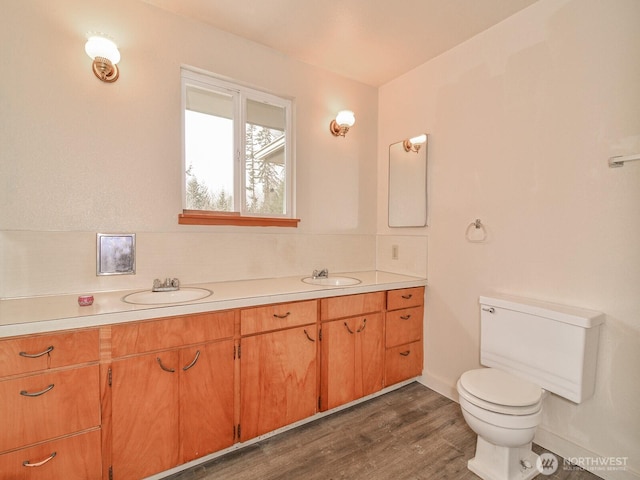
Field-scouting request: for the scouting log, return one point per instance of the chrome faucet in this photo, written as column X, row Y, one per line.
column 169, row 285
column 324, row 273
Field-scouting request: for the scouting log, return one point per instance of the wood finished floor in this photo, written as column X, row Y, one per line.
column 409, row 434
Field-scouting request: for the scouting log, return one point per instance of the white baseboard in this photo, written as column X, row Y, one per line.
column 439, row 386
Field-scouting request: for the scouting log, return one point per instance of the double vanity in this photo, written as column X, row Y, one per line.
column 121, row 390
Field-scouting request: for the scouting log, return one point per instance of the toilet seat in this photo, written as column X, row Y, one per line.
column 500, row 392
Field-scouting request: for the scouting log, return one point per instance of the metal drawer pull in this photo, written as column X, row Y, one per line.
column 405, row 317
column 407, row 297
column 27, row 463
column 36, row 355
column 24, row 393
column 170, row 370
column 193, row 362
column 364, row 324
column 405, row 354
column 311, row 339
column 282, row 316
column 348, row 329
column 490, row 309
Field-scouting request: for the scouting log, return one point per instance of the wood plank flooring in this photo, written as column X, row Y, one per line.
column 412, row 433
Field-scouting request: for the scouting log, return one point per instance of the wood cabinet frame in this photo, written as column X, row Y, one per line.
column 266, row 338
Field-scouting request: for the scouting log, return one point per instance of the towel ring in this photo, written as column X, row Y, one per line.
column 477, row 225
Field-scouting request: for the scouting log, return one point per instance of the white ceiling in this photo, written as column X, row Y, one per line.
column 372, row 41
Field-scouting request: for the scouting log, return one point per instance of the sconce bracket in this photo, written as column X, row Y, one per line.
column 337, row 130
column 105, row 70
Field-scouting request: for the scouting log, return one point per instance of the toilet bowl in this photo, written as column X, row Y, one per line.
column 505, row 422
column 530, row 348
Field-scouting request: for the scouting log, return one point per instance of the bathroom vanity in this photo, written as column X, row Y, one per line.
column 134, row 391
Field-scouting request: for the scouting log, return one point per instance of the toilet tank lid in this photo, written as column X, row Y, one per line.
column 563, row 313
column 501, row 388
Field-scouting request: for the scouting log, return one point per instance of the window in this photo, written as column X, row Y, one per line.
column 238, row 163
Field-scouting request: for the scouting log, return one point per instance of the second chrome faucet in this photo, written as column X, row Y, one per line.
column 324, row 273
column 169, row 285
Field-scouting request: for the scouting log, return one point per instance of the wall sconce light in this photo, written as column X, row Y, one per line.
column 105, row 56
column 343, row 121
column 414, row 144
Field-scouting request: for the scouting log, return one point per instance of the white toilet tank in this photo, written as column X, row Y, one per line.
column 554, row 346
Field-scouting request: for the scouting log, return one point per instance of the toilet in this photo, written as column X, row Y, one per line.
column 531, row 349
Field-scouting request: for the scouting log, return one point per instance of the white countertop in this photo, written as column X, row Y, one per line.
column 29, row 315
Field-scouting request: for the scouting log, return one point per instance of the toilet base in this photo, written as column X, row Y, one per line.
column 493, row 462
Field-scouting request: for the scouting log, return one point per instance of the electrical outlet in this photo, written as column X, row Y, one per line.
column 394, row 252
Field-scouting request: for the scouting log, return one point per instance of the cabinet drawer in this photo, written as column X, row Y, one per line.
column 403, row 362
column 48, row 405
column 404, row 326
column 405, row 297
column 351, row 305
column 275, row 317
column 76, row 458
column 170, row 332
column 41, row 352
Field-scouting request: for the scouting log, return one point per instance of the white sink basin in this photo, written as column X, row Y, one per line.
column 333, row 281
column 185, row 294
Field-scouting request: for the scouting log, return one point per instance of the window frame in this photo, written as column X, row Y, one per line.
column 241, row 95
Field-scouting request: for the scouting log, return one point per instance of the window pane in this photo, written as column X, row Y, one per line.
column 265, row 159
column 208, row 150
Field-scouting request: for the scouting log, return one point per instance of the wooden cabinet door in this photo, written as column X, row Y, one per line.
column 403, row 362
column 352, row 359
column 369, row 355
column 337, row 378
column 145, row 413
column 278, row 379
column 76, row 457
column 404, row 326
column 405, row 297
column 351, row 305
column 206, row 399
column 48, row 405
column 41, row 352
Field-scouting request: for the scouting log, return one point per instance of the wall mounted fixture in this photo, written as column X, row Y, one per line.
column 105, row 56
column 414, row 144
column 620, row 160
column 342, row 123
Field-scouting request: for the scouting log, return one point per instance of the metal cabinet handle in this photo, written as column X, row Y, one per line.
column 36, row 355
column 311, row 339
column 348, row 329
column 170, row 370
column 490, row 309
column 282, row 316
column 364, row 324
column 27, row 463
column 193, row 362
column 407, row 297
column 405, row 317
column 24, row 393
column 405, row 354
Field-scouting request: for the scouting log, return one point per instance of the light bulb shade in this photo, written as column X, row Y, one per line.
column 414, row 144
column 102, row 47
column 345, row 118
column 420, row 139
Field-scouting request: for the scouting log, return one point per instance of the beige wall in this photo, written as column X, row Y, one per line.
column 80, row 156
column 522, row 119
